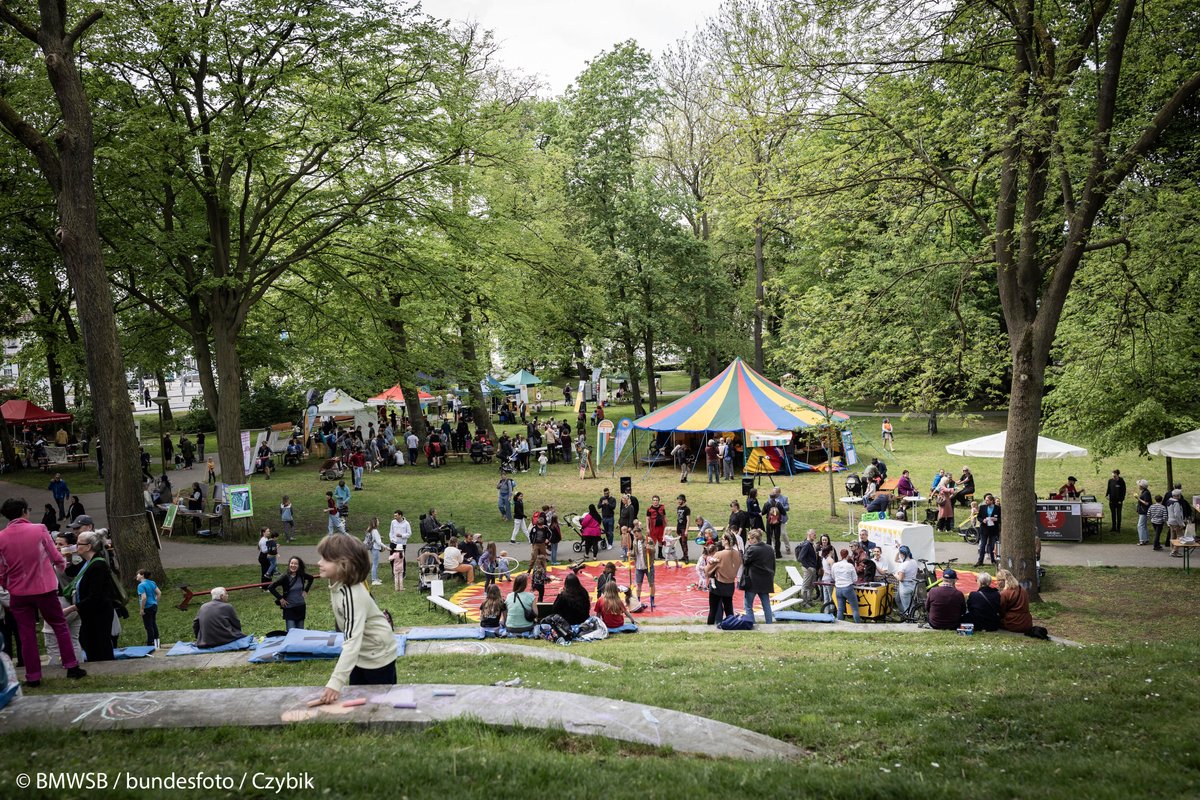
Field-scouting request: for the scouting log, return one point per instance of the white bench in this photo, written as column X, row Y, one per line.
column 787, row 597
column 437, row 598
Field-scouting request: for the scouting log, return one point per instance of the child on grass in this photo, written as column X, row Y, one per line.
column 542, row 462
column 538, row 577
column 369, row 646
column 492, row 612
column 502, row 573
column 609, row 575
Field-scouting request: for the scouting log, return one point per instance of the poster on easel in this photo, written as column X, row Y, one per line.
column 241, row 502
column 168, row 524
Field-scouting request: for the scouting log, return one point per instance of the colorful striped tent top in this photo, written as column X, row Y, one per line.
column 737, row 399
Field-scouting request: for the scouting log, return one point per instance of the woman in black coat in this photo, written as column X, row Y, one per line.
column 50, row 519
column 754, row 510
column 93, row 599
column 573, row 602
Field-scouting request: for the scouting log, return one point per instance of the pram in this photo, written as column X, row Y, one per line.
column 482, row 453
column 331, row 470
column 572, row 522
column 430, row 568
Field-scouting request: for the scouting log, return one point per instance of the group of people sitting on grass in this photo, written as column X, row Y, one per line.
column 988, row 608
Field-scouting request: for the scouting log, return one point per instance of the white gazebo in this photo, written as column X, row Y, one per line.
column 1185, row 445
column 993, row 447
column 337, row 403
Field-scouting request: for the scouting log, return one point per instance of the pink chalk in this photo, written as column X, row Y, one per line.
column 358, row 701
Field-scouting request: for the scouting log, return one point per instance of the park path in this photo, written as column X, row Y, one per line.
column 179, row 552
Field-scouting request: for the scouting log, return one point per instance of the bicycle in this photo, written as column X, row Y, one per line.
column 927, row 578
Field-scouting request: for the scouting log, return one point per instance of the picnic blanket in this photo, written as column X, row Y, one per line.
column 801, row 616
column 137, row 651
column 427, row 634
column 190, row 649
column 305, row 645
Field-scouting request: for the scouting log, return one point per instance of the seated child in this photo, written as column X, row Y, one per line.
column 492, row 612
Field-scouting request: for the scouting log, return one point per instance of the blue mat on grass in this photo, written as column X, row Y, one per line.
column 427, row 634
column 300, row 645
column 137, row 651
column 190, row 649
column 801, row 616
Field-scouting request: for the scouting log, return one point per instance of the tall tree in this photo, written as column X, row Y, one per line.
column 66, row 163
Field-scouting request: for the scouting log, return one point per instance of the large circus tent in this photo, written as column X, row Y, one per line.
column 749, row 410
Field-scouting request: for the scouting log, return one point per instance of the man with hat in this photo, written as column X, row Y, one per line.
column 945, row 604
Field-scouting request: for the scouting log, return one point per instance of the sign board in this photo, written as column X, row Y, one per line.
column 169, row 520
column 1059, row 521
column 604, row 431
column 247, row 459
column 241, row 502
column 848, row 447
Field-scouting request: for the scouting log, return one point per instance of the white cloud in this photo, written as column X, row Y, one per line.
column 553, row 38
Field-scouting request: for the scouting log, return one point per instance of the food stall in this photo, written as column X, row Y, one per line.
column 890, row 534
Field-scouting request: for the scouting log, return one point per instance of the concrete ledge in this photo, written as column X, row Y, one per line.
column 500, row 706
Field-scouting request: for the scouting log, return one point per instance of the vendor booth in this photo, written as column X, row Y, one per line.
column 337, row 403
column 890, row 534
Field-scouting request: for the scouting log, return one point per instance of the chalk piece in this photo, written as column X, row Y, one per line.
column 649, row 717
column 444, row 692
column 313, row 703
column 396, row 698
column 358, row 701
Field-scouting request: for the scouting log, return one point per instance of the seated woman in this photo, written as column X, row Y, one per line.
column 1014, row 604
column 520, row 605
column 573, row 603
column 453, row 560
column 983, row 606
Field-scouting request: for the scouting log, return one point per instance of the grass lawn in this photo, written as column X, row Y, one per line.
column 883, row 714
column 466, row 492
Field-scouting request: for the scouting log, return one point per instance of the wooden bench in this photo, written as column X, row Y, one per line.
column 457, row 454
column 437, row 598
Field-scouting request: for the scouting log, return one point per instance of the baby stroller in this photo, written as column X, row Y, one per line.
column 430, row 568
column 572, row 522
column 854, row 485
column 482, row 453
column 331, row 470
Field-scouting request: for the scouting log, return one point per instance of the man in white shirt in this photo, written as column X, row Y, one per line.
column 452, row 561
column 413, row 444
column 400, row 532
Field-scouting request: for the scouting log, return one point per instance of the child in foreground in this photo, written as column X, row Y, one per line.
column 369, row 647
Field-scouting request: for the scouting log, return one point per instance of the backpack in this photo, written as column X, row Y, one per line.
column 737, row 622
column 557, row 629
column 773, row 515
column 1038, row 632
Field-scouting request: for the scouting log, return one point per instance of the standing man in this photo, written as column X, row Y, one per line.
column 989, row 528
column 759, row 568
column 28, row 559
column 656, row 523
column 1115, row 492
column 400, row 532
column 1144, row 501
column 504, row 493
column 58, row 488
column 810, row 562
column 683, row 516
column 607, row 506
column 145, row 397
column 412, row 443
column 712, row 460
column 200, row 445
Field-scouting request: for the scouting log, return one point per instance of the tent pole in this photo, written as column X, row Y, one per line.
column 1170, row 478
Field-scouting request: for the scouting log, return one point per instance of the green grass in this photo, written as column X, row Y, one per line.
column 465, row 492
column 883, row 714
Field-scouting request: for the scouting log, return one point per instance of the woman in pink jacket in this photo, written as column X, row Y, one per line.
column 590, row 530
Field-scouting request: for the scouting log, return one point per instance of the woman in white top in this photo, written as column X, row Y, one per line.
column 844, row 578
column 374, row 545
column 905, row 571
column 828, row 559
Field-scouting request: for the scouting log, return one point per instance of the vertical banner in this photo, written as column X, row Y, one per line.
column 848, row 447
column 624, row 428
column 246, row 456
column 603, row 433
column 579, row 398
column 602, row 392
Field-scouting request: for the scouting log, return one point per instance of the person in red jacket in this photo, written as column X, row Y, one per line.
column 358, row 462
column 656, row 523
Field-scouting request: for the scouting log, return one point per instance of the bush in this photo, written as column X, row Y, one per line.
column 269, row 404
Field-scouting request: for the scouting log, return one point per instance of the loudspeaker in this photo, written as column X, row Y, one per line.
column 747, row 485
column 626, row 484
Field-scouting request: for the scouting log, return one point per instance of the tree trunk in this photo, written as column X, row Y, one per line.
column 760, row 274
column 1017, row 488
column 161, row 380
column 227, row 414
column 479, row 410
column 635, row 386
column 58, row 392
column 9, row 450
column 648, row 343
column 71, row 177
column 407, row 384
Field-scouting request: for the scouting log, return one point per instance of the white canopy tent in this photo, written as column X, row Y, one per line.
column 993, row 447
column 1185, row 445
column 337, row 403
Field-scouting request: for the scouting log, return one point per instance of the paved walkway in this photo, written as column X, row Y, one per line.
column 505, row 707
